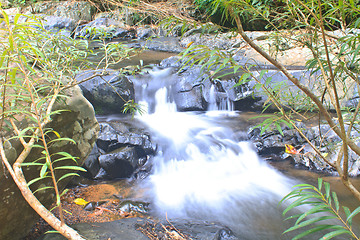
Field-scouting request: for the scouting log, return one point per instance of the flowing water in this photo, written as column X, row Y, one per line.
column 204, row 167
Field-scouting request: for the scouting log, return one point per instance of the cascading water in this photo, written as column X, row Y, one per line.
column 205, row 170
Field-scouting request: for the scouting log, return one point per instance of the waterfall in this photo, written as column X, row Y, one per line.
column 204, row 170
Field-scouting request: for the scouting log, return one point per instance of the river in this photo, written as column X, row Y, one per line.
column 206, row 169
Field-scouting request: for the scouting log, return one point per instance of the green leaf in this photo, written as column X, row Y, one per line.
column 353, row 214
column 75, row 168
column 67, row 175
column 336, row 201
column 309, row 222
column 300, row 201
column 62, row 139
column 317, row 209
column 320, row 182
column 313, row 230
column 327, row 190
column 335, row 233
column 42, row 189
column 44, row 170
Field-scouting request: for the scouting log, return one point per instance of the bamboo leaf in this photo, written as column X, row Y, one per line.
column 44, row 169
column 320, row 182
column 309, row 222
column 313, row 230
column 43, row 189
column 75, row 168
column 353, row 214
column 336, row 201
column 67, row 175
column 335, row 233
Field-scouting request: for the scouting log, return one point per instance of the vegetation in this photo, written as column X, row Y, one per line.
column 321, row 200
column 37, row 70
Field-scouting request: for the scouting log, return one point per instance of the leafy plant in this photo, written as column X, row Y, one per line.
column 324, row 206
column 37, row 70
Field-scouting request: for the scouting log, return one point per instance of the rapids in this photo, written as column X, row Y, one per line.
column 205, row 170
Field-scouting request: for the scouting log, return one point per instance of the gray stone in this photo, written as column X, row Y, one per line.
column 104, row 28
column 56, row 24
column 163, row 44
column 107, row 93
column 76, row 10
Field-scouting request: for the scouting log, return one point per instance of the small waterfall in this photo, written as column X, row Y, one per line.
column 219, row 101
column 203, row 170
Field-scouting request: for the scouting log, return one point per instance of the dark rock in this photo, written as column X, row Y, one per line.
column 120, row 163
column 91, row 164
column 107, row 93
column 116, row 135
column 122, row 150
column 191, row 100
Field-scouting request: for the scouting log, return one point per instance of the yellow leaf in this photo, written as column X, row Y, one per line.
column 290, row 149
column 80, row 201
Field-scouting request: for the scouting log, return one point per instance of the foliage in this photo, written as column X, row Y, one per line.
column 34, row 65
column 37, row 68
column 324, row 206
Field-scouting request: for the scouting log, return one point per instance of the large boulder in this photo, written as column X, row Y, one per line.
column 59, row 24
column 76, row 10
column 78, row 123
column 105, row 28
column 107, row 93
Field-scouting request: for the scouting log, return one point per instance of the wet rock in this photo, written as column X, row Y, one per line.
column 163, row 44
column 91, row 164
column 119, row 164
column 130, row 206
column 213, row 41
column 116, row 135
column 104, row 28
column 122, row 151
column 107, row 93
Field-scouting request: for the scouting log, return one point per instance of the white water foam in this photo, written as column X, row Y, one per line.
column 203, row 171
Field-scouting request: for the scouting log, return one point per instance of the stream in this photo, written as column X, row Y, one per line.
column 205, row 169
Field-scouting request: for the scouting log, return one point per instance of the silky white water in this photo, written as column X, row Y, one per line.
column 205, row 170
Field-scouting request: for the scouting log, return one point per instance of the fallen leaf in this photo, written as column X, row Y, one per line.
column 292, row 150
column 80, row 201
